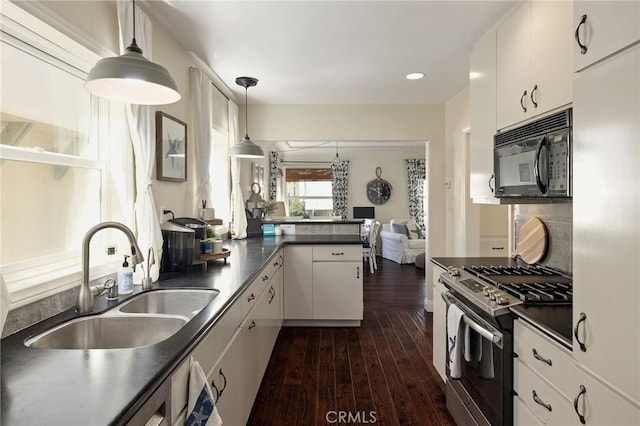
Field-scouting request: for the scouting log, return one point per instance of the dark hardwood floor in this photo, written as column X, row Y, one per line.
column 380, row 373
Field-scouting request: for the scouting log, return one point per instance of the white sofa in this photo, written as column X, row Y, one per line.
column 398, row 247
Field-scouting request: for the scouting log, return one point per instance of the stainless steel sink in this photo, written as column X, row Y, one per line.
column 184, row 302
column 109, row 332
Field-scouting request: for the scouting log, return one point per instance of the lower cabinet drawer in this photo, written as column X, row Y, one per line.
column 207, row 354
column 338, row 253
column 522, row 415
column 543, row 400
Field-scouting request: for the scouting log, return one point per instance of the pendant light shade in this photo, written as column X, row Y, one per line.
column 132, row 78
column 246, row 148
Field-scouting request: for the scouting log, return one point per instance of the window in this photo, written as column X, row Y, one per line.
column 58, row 176
column 309, row 191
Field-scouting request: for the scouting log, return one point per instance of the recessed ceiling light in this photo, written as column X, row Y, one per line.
column 415, row 76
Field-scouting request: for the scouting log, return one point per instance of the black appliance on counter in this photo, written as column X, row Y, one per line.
column 181, row 242
column 485, row 295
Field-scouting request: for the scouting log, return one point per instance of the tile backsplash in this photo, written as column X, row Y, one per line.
column 558, row 219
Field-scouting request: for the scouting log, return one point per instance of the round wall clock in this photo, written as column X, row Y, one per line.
column 378, row 190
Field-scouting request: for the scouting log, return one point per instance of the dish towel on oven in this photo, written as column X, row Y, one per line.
column 478, row 351
column 455, row 340
column 201, row 409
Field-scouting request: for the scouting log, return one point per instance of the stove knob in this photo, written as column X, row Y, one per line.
column 487, row 291
column 502, row 300
column 493, row 295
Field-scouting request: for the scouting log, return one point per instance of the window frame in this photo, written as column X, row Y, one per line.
column 33, row 29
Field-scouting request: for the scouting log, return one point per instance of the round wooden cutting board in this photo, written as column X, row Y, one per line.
column 531, row 245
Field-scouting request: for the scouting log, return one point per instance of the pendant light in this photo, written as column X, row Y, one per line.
column 246, row 148
column 336, row 159
column 132, row 78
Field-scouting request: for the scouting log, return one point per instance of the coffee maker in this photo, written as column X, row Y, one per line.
column 181, row 242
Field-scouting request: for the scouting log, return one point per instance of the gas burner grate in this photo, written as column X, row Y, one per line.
column 540, row 292
column 480, row 270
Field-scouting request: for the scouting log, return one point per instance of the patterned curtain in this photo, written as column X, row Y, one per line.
column 416, row 173
column 273, row 174
column 340, row 180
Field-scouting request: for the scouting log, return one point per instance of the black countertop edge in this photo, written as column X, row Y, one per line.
column 549, row 320
column 553, row 320
column 109, row 386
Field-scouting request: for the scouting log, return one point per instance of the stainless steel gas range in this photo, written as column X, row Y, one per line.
column 480, row 392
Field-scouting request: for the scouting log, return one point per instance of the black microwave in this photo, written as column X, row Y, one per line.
column 534, row 160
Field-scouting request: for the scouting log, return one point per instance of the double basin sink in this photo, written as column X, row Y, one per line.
column 145, row 319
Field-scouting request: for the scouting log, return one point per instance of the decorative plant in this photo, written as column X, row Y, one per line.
column 210, row 233
column 297, row 208
column 268, row 207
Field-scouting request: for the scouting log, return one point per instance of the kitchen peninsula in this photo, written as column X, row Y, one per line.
column 66, row 386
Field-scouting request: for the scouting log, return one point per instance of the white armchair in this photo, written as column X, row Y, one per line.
column 398, row 247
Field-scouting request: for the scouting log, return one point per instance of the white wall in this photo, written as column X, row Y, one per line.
column 463, row 225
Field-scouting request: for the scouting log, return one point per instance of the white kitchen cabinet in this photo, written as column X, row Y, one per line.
column 607, row 27
column 323, row 283
column 606, row 225
column 522, row 415
column 482, row 119
column 534, row 61
column 599, row 405
column 439, row 324
column 235, row 353
column 337, row 283
column 298, row 279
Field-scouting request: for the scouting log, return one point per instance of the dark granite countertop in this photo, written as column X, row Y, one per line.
column 553, row 320
column 107, row 386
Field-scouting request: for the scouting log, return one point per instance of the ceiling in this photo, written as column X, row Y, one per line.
column 333, row 52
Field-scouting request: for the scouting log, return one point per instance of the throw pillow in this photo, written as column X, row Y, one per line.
column 414, row 231
column 399, row 228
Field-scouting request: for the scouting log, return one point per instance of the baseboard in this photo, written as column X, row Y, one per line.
column 428, row 305
column 321, row 323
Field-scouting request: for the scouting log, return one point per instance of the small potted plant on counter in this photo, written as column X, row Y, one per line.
column 206, row 245
column 267, row 208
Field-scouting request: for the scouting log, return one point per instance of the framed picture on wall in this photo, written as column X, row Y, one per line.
column 171, row 148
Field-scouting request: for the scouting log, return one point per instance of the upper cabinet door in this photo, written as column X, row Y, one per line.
column 534, row 61
column 482, row 117
column 551, row 59
column 514, row 67
column 603, row 28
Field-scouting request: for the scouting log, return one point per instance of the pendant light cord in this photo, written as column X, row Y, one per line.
column 133, row 47
column 246, row 115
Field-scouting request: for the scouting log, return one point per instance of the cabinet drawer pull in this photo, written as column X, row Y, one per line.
column 583, row 391
column 224, row 383
column 497, row 248
column 272, row 295
column 540, row 402
column 252, row 325
column 265, row 278
column 539, row 358
column 491, row 186
column 251, row 297
column 583, row 47
column 581, row 319
column 535, row 89
column 522, row 98
column 337, row 254
column 357, row 272
column 216, row 392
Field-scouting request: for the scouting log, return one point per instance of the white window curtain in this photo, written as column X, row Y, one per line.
column 141, row 128
column 202, row 112
column 237, row 206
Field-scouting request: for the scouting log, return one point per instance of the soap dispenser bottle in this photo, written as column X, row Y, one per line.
column 125, row 278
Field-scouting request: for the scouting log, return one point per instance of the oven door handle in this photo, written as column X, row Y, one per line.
column 482, row 331
column 487, row 334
